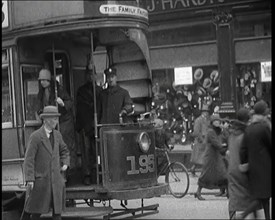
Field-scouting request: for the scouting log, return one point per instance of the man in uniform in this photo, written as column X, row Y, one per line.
column 115, row 101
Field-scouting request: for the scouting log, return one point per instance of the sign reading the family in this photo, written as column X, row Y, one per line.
column 5, row 15
column 123, row 10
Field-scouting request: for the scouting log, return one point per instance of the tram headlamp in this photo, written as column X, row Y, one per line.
column 144, row 142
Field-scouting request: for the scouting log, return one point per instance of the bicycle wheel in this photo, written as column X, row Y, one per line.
column 178, row 179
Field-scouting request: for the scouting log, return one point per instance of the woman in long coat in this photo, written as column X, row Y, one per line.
column 256, row 150
column 214, row 174
column 200, row 129
column 239, row 195
column 46, row 96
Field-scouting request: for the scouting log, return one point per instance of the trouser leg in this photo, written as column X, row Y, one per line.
column 35, row 216
column 265, row 204
column 85, row 154
column 251, row 208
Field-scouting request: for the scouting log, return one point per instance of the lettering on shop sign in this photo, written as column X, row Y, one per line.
column 166, row 5
column 146, row 164
column 5, row 17
column 123, row 10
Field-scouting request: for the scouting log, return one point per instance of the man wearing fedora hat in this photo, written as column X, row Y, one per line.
column 115, row 101
column 46, row 157
column 255, row 153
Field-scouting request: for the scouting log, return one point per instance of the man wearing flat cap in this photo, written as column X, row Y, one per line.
column 255, row 153
column 46, row 157
column 115, row 101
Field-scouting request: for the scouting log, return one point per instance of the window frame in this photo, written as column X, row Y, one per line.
column 9, row 66
column 27, row 122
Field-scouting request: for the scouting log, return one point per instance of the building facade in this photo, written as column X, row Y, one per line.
column 224, row 47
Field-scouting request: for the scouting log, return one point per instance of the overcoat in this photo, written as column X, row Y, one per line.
column 214, row 174
column 113, row 101
column 85, row 107
column 200, row 129
column 43, row 166
column 239, row 195
column 257, row 145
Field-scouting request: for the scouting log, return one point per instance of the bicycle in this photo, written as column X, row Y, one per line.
column 176, row 175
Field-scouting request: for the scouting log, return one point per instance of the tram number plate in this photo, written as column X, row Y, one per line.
column 146, row 164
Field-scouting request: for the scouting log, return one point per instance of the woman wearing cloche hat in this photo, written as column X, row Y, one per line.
column 214, row 174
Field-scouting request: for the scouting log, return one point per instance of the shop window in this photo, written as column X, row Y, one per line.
column 179, row 105
column 30, row 89
column 253, row 84
column 7, row 110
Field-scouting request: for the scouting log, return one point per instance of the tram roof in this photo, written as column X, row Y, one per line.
column 29, row 18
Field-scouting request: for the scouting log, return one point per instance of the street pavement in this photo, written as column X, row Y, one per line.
column 187, row 207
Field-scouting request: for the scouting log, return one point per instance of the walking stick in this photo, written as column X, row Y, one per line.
column 28, row 192
column 55, row 86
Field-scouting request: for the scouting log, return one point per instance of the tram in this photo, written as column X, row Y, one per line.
column 61, row 35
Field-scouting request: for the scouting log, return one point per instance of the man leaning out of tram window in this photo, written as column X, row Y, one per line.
column 47, row 156
column 115, row 101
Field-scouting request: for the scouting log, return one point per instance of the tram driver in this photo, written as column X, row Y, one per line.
column 115, row 101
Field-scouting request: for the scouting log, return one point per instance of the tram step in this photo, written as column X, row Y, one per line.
column 83, row 212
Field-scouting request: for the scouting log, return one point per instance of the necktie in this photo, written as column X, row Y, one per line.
column 51, row 139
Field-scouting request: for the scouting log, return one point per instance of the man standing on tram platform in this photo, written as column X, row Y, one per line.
column 115, row 101
column 85, row 125
column 47, row 156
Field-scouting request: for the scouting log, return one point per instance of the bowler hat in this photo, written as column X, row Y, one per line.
column 50, row 111
column 260, row 108
column 110, row 71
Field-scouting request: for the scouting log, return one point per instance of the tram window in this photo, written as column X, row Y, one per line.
column 30, row 89
column 6, row 90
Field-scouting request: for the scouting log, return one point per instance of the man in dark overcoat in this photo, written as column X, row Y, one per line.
column 85, row 125
column 47, row 156
column 115, row 100
column 256, row 151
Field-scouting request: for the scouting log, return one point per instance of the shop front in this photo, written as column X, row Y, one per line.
column 213, row 53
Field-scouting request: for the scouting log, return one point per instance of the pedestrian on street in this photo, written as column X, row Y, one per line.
column 115, row 101
column 46, row 157
column 85, row 125
column 239, row 196
column 213, row 174
column 46, row 96
column 225, row 136
column 201, row 125
column 255, row 156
